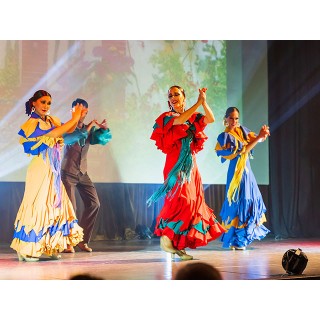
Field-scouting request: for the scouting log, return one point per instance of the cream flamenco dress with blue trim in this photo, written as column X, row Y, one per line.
column 46, row 221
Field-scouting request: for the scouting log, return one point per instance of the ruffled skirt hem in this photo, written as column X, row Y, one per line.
column 242, row 237
column 193, row 237
column 48, row 244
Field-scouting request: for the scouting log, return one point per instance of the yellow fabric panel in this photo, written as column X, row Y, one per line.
column 241, row 163
column 230, row 157
column 56, row 121
column 31, row 124
column 237, row 133
column 218, row 146
column 235, row 182
column 251, row 136
column 48, row 141
column 233, row 223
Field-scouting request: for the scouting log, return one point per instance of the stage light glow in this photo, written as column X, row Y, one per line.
column 11, row 156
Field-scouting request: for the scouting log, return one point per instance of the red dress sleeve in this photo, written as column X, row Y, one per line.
column 197, row 128
column 166, row 135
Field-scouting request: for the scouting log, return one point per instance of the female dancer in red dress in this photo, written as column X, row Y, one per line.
column 185, row 219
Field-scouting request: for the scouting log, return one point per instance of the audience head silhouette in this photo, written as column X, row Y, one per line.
column 84, row 276
column 198, row 271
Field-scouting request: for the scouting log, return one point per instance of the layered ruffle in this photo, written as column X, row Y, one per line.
column 168, row 136
column 243, row 221
column 185, row 218
column 199, row 233
column 46, row 221
column 49, row 241
column 33, row 134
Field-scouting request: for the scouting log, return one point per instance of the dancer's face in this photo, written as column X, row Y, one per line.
column 176, row 99
column 42, row 106
column 83, row 114
column 233, row 120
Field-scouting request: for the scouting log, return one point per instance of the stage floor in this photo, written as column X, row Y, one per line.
column 144, row 260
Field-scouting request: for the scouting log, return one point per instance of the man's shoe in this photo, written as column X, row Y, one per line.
column 84, row 247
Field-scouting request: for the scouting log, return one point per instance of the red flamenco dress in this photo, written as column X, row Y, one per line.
column 185, row 217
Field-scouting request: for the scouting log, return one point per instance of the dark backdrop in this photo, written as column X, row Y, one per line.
column 123, row 208
column 294, row 114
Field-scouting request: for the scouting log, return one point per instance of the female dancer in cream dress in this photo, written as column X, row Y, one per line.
column 46, row 222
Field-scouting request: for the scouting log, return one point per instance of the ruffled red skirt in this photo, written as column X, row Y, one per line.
column 185, row 217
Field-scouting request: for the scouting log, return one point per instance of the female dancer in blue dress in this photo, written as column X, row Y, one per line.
column 243, row 210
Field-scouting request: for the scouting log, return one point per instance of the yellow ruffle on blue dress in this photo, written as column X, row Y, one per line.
column 243, row 209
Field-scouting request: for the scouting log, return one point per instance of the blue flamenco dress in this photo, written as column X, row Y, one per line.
column 46, row 221
column 185, row 218
column 243, row 210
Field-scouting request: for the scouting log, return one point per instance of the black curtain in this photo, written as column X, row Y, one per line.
column 294, row 118
column 123, row 208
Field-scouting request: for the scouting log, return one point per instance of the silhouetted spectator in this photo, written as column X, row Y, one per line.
column 198, row 271
column 84, row 276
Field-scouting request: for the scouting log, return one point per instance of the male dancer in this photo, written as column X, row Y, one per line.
column 74, row 171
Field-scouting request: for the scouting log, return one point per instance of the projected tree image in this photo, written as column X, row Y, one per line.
column 124, row 81
column 190, row 64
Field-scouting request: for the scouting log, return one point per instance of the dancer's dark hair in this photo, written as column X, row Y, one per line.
column 37, row 95
column 80, row 101
column 230, row 110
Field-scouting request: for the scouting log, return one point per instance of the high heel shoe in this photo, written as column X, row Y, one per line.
column 55, row 257
column 21, row 257
column 182, row 255
column 166, row 245
column 237, row 248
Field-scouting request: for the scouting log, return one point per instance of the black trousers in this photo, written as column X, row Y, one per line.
column 89, row 196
